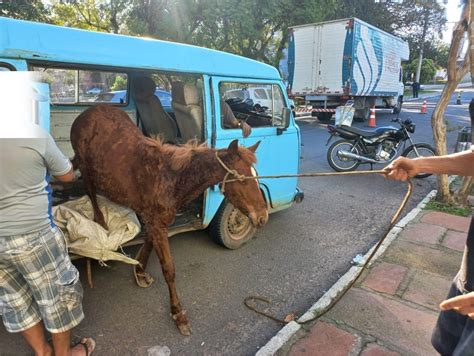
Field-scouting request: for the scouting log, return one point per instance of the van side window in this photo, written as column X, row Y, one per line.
column 73, row 86
column 169, row 105
column 259, row 105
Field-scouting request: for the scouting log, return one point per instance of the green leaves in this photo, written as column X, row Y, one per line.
column 24, row 9
column 256, row 29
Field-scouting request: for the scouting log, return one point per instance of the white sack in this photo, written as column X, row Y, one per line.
column 89, row 239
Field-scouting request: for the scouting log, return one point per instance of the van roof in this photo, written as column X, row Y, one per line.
column 43, row 42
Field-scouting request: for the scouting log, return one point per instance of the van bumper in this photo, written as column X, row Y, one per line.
column 299, row 196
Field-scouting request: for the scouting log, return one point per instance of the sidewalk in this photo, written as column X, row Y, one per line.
column 394, row 306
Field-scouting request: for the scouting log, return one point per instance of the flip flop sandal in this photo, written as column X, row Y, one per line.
column 89, row 345
column 148, row 279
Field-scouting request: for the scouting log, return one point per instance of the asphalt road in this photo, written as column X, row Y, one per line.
column 292, row 261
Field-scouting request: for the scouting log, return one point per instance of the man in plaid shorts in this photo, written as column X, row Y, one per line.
column 39, row 287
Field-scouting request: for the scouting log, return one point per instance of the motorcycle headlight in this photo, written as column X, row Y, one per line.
column 411, row 128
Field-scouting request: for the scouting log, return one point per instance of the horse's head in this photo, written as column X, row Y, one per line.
column 245, row 195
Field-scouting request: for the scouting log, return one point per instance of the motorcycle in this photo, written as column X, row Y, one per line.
column 374, row 146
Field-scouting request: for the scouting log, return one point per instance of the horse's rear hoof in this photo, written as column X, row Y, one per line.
column 143, row 279
column 184, row 329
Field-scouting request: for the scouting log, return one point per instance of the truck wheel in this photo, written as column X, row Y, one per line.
column 398, row 108
column 362, row 115
column 324, row 116
column 230, row 228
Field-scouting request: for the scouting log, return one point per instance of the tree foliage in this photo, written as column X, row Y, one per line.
column 438, row 51
column 428, row 69
column 96, row 15
column 33, row 10
column 255, row 29
column 378, row 14
column 419, row 22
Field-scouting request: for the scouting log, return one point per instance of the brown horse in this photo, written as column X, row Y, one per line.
column 155, row 180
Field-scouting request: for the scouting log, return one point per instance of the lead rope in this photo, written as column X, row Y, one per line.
column 239, row 177
column 396, row 216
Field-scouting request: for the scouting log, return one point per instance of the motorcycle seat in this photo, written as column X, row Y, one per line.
column 367, row 132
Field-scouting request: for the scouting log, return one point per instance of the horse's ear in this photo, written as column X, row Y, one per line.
column 233, row 147
column 254, row 147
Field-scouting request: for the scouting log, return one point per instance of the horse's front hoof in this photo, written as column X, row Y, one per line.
column 182, row 323
column 143, row 279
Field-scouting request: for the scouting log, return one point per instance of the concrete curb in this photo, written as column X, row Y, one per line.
column 290, row 329
column 421, row 97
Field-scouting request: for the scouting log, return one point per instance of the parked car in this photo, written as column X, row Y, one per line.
column 94, row 91
column 259, row 95
column 120, row 96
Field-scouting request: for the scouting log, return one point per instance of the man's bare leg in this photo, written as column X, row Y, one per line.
column 36, row 339
column 62, row 345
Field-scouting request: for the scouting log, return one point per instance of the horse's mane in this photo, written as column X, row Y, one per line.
column 181, row 155
column 247, row 155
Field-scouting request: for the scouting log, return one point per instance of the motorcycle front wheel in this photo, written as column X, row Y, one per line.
column 342, row 164
column 420, row 150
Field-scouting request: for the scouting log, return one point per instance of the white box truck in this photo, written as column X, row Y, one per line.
column 332, row 62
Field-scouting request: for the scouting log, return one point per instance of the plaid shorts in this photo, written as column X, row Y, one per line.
column 38, row 282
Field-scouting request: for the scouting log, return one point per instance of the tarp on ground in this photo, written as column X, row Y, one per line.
column 89, row 239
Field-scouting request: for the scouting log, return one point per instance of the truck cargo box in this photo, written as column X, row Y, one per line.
column 344, row 57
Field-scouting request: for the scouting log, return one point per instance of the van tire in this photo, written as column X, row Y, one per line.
column 230, row 228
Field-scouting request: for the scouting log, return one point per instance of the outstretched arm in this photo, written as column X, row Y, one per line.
column 461, row 163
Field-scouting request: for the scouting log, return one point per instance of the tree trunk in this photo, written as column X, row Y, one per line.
column 439, row 135
column 468, row 182
column 463, row 192
column 422, row 46
column 454, row 77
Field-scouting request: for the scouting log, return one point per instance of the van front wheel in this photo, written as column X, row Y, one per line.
column 230, row 228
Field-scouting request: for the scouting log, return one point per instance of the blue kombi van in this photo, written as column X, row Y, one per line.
column 171, row 90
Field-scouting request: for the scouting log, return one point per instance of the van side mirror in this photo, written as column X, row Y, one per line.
column 285, row 120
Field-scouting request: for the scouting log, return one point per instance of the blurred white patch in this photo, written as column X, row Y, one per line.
column 18, row 105
column 159, row 350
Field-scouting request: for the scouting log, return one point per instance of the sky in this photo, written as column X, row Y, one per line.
column 453, row 14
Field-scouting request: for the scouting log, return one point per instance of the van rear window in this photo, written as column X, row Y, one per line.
column 77, row 86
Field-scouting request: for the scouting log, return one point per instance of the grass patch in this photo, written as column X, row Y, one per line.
column 408, row 93
column 448, row 208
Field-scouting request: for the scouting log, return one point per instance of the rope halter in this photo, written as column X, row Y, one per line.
column 236, row 176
